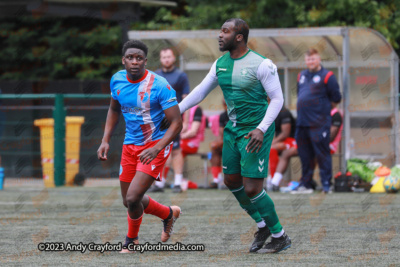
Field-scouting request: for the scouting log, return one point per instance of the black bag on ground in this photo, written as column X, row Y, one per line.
column 350, row 183
column 342, row 183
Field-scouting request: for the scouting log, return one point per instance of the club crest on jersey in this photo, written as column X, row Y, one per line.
column 118, row 91
column 144, row 96
column 244, row 71
column 316, row 79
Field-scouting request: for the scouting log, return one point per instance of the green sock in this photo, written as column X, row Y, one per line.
column 246, row 204
column 266, row 208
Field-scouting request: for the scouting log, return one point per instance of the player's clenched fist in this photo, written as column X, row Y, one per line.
column 103, row 151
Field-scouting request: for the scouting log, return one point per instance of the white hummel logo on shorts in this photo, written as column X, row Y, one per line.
column 222, row 69
column 153, row 167
column 261, row 162
column 224, row 167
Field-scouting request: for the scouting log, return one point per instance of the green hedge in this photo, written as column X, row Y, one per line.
column 50, row 48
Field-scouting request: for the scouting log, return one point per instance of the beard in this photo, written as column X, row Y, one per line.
column 228, row 46
column 168, row 64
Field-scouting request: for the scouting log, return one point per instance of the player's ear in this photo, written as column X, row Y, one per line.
column 145, row 61
column 123, row 60
column 239, row 37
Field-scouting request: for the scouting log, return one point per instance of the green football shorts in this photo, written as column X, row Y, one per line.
column 235, row 158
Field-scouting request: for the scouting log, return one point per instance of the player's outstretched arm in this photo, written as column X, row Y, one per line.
column 174, row 117
column 197, row 95
column 114, row 112
column 201, row 90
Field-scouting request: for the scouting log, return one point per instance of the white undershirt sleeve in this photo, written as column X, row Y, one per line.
column 267, row 73
column 201, row 90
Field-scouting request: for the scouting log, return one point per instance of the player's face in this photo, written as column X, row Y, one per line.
column 226, row 38
column 135, row 62
column 167, row 58
column 313, row 62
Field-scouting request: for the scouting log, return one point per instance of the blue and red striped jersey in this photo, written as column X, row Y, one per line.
column 142, row 103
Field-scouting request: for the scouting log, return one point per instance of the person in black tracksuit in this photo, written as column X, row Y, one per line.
column 316, row 89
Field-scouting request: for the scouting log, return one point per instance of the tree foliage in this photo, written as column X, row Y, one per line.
column 383, row 16
column 49, row 48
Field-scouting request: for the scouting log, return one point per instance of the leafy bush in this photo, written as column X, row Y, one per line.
column 50, row 48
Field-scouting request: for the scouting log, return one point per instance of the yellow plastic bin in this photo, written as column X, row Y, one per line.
column 46, row 127
column 72, row 147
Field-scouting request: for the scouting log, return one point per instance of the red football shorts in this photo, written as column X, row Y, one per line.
column 290, row 143
column 188, row 148
column 130, row 162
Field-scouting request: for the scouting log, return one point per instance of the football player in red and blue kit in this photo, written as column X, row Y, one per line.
column 144, row 98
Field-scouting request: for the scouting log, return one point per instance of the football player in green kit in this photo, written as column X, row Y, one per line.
column 246, row 79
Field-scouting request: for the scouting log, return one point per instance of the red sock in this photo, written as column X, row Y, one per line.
column 215, row 170
column 133, row 226
column 157, row 209
column 273, row 161
column 165, row 173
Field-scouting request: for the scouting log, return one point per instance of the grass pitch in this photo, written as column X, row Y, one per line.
column 338, row 229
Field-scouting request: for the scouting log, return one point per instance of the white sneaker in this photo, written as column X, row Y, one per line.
column 302, row 190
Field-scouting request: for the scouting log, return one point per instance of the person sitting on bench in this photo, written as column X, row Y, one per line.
column 193, row 133
column 291, row 150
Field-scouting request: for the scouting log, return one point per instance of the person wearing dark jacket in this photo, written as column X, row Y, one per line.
column 317, row 87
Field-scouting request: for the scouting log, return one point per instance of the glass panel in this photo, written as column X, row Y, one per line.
column 292, row 102
column 153, row 55
column 198, row 50
column 295, row 47
column 369, row 89
column 337, row 42
column 366, row 45
column 373, row 137
column 212, row 104
column 266, row 47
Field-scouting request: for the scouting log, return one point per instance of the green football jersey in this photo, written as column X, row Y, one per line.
column 244, row 94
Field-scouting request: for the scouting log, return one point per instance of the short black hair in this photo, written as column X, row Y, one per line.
column 241, row 27
column 135, row 44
